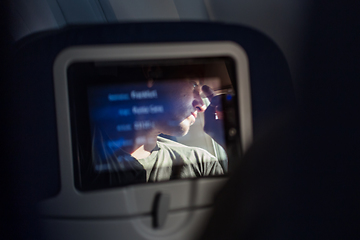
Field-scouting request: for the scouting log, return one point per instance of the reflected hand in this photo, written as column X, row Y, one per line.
column 214, row 124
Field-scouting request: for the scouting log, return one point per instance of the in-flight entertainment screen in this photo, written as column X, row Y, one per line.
column 151, row 121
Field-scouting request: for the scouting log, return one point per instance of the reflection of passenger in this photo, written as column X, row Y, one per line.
column 164, row 159
column 167, row 107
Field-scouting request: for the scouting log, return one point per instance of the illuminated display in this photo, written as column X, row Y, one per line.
column 144, row 122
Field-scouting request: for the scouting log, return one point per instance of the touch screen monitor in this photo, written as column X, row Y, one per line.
column 150, row 121
column 150, row 113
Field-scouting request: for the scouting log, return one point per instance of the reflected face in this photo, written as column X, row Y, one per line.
column 182, row 105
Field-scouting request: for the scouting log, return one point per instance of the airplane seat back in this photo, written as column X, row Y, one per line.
column 32, row 109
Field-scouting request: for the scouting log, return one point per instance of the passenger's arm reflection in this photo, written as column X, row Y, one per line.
column 214, row 125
